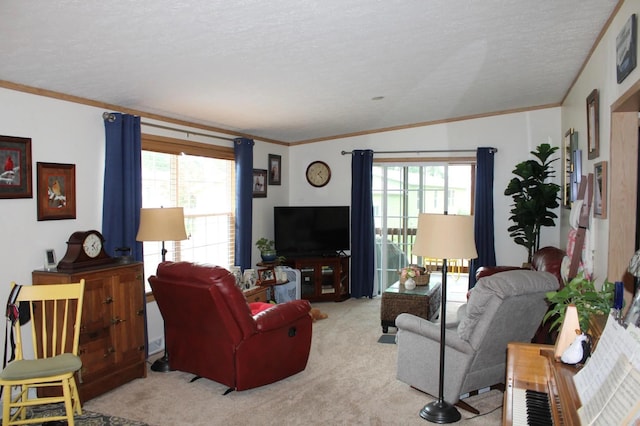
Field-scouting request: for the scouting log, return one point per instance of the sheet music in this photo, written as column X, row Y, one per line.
column 615, row 399
column 609, row 383
column 614, row 341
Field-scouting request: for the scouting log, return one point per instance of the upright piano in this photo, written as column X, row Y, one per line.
column 531, row 373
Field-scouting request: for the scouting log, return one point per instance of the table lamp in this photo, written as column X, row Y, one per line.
column 162, row 224
column 443, row 237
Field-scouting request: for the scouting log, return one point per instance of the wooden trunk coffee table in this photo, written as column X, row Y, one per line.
column 423, row 301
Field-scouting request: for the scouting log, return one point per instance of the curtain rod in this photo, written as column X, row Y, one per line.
column 110, row 117
column 422, row 151
column 188, row 132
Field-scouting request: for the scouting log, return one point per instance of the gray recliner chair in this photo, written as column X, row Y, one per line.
column 502, row 308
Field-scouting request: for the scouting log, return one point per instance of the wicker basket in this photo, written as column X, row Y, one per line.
column 422, row 279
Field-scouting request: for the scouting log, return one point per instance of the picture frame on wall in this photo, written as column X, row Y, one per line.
column 259, row 183
column 15, row 177
column 56, row 191
column 572, row 168
column 593, row 125
column 626, row 47
column 600, row 190
column 275, row 169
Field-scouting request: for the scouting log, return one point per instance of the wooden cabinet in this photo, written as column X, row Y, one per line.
column 112, row 337
column 256, row 294
column 323, row 278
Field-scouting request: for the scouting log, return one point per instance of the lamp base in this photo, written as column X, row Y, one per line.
column 161, row 365
column 440, row 411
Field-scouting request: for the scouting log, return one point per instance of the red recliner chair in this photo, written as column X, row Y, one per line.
column 211, row 332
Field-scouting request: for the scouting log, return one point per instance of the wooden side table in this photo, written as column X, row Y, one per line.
column 256, row 294
column 422, row 301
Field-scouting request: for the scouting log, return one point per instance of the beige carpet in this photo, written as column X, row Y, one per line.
column 349, row 380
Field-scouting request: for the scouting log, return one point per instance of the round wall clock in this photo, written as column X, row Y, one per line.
column 84, row 249
column 318, row 174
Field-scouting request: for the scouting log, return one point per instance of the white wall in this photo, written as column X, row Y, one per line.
column 61, row 132
column 515, row 135
column 277, row 195
column 599, row 73
column 70, row 133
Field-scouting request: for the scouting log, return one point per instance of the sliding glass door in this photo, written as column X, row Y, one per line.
column 400, row 193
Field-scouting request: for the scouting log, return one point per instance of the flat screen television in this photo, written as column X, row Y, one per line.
column 311, row 230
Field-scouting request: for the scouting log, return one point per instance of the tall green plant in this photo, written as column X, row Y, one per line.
column 534, row 197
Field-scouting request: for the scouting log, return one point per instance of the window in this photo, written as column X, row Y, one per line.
column 401, row 192
column 201, row 179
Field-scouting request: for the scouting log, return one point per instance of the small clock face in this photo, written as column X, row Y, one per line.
column 92, row 245
column 318, row 174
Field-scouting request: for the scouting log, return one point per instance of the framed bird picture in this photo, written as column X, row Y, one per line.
column 56, row 191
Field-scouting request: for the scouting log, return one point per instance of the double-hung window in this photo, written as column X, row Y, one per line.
column 201, row 179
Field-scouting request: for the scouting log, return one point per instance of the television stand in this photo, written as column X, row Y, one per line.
column 323, row 278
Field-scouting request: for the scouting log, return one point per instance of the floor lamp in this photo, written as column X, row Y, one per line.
column 443, row 236
column 162, row 224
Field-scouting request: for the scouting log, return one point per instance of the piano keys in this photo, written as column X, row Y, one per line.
column 531, row 368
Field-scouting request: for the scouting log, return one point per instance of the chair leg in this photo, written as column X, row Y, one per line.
column 6, row 405
column 467, row 407
column 77, row 405
column 24, row 397
column 68, row 405
column 471, row 409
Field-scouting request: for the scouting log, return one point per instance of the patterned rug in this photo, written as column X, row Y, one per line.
column 88, row 418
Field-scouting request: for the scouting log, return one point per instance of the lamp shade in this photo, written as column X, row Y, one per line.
column 445, row 236
column 162, row 224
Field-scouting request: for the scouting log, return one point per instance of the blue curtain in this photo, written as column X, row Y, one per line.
column 483, row 217
column 362, row 232
column 122, row 197
column 243, row 149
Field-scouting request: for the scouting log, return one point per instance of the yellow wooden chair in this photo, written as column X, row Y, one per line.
column 56, row 311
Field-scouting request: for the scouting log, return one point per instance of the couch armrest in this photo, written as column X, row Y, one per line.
column 282, row 314
column 431, row 330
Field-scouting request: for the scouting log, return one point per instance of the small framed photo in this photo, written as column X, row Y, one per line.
column 593, row 125
column 267, row 276
column 572, row 168
column 259, row 183
column 626, row 42
column 275, row 169
column 600, row 190
column 15, row 177
column 56, row 191
column 50, row 261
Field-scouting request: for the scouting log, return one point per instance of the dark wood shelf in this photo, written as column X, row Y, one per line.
column 323, row 278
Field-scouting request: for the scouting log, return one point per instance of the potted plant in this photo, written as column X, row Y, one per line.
column 582, row 293
column 534, row 197
column 267, row 250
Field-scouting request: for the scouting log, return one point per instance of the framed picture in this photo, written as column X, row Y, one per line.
column 572, row 168
column 56, row 191
column 15, row 178
column 267, row 276
column 626, row 42
column 593, row 125
column 600, row 190
column 259, row 183
column 275, row 169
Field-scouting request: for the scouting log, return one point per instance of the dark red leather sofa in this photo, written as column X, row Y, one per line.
column 547, row 259
column 211, row 332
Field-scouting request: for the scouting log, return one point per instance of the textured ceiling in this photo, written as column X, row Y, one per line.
column 295, row 70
